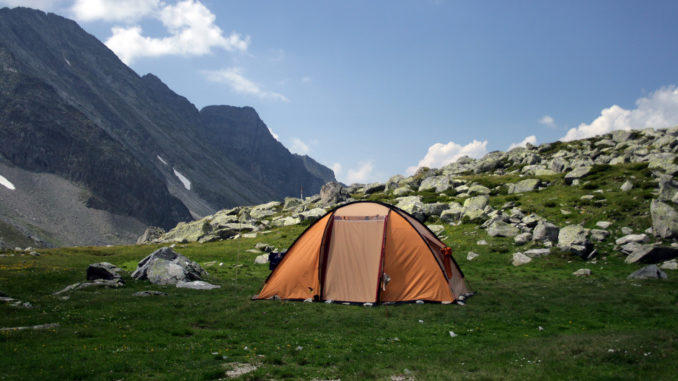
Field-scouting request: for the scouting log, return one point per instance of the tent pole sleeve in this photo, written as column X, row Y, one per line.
column 381, row 258
column 324, row 249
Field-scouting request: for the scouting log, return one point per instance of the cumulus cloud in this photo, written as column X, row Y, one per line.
column 336, row 167
column 440, row 154
column 547, row 121
column 234, row 78
column 530, row 139
column 275, row 136
column 298, row 146
column 361, row 174
column 658, row 110
column 114, row 10
column 190, row 25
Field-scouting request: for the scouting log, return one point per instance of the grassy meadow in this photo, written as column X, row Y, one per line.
column 536, row 321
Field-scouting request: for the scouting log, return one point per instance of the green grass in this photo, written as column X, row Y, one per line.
column 600, row 327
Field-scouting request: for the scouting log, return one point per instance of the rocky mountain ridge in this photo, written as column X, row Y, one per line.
column 70, row 107
column 615, row 193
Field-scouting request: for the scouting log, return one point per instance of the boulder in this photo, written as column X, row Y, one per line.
column 573, row 238
column 478, row 189
column 197, row 285
column 627, row 186
column 648, row 272
column 522, row 238
column 577, row 173
column 535, row 253
column 520, row 259
column 668, row 190
column 333, row 193
column 669, row 265
column 286, row 221
column 434, row 209
column 527, row 185
column 165, row 266
column 103, row 270
column 291, row 203
column 499, row 228
column 374, row 188
column 412, row 205
column 150, row 234
column 603, row 224
column 599, row 235
column 313, row 214
column 437, row 183
column 652, row 254
column 664, row 219
column 471, row 256
column 545, row 231
column 266, row 248
column 621, row 136
column 453, row 213
column 437, row 229
column 631, row 238
column 582, row 272
column 401, row 191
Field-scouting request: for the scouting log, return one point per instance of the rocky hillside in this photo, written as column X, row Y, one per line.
column 610, row 195
column 69, row 107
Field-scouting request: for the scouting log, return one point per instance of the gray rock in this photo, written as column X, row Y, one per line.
column 603, row 224
column 627, row 186
column 665, row 163
column 522, row 238
column 626, row 230
column 559, row 165
column 631, row 238
column 434, row 209
column 545, row 231
column 499, row 228
column 648, row 272
column 582, row 272
column 664, row 219
column 412, row 205
column 103, row 270
column 520, row 259
column 333, row 193
column 313, row 214
column 453, row 213
column 437, row 183
column 291, row 203
column 527, row 185
column 150, row 234
column 286, row 221
column 669, row 265
column 374, row 188
column 630, row 247
column 114, row 283
column 577, row 173
column 266, row 248
column 668, row 190
column 165, row 266
column 197, row 285
column 621, row 136
column 652, row 254
column 535, row 253
column 401, row 191
column 573, row 238
column 436, row 228
column 478, row 189
column 471, row 256
column 599, row 235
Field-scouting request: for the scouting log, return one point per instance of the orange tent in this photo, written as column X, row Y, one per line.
column 367, row 252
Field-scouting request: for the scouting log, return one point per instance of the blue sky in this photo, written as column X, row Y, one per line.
column 377, row 88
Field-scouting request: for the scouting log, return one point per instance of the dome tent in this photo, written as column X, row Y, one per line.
column 367, row 252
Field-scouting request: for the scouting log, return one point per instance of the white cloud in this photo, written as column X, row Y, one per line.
column 336, row 167
column 234, row 78
column 659, row 110
column 530, row 139
column 299, row 147
column 439, row 154
column 360, row 175
column 191, row 27
column 275, row 136
column 114, row 10
column 547, row 121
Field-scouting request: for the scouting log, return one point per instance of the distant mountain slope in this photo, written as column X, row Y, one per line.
column 70, row 107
